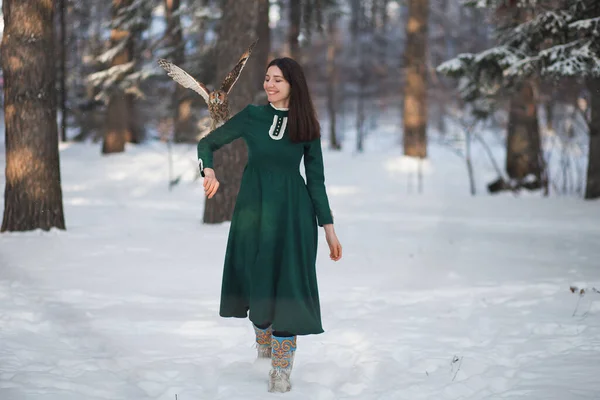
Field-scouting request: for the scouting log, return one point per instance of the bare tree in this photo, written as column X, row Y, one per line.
column 33, row 195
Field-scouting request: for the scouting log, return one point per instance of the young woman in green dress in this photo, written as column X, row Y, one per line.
column 269, row 273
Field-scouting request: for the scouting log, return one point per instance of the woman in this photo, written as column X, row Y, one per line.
column 272, row 247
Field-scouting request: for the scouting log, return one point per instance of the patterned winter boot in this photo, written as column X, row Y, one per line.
column 282, row 361
column 263, row 341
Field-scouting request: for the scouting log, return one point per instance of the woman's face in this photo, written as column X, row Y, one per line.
column 276, row 87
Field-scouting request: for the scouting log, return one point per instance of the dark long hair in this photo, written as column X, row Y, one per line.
column 303, row 125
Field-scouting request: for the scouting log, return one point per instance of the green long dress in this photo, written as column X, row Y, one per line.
column 272, row 246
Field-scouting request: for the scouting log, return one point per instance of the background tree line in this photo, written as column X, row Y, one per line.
column 443, row 71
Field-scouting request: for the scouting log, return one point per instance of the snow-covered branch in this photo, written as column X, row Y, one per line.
column 109, row 76
column 111, row 53
column 498, row 3
column 503, row 56
column 591, row 26
column 578, row 58
column 523, row 68
column 456, row 66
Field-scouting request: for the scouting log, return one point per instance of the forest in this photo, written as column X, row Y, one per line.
column 442, row 72
column 457, row 165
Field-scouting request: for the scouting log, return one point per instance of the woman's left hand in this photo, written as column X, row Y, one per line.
column 335, row 247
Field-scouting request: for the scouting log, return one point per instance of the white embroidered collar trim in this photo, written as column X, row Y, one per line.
column 277, row 127
column 278, row 108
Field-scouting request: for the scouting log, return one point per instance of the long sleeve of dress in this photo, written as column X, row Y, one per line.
column 232, row 129
column 315, row 181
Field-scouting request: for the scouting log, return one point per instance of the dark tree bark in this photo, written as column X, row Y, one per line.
column 523, row 146
column 332, row 80
column 33, row 195
column 182, row 99
column 261, row 53
column 415, row 92
column 86, row 41
column 237, row 30
column 438, row 55
column 120, row 119
column 592, row 189
column 382, row 29
column 63, row 70
column 361, row 26
column 294, row 29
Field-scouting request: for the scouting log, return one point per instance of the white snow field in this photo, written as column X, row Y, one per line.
column 439, row 295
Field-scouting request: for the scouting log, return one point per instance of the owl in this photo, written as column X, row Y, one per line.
column 217, row 100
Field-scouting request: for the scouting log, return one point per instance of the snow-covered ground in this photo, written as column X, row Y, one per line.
column 439, row 295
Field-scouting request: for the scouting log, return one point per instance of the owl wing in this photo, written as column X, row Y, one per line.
column 184, row 79
column 233, row 76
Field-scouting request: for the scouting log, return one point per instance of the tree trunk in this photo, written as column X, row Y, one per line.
column 384, row 25
column 263, row 48
column 260, row 55
column 383, row 42
column 332, row 80
column 118, row 130
column 294, row 29
column 184, row 129
column 592, row 189
column 361, row 26
column 86, row 111
column 360, row 120
column 523, row 147
column 374, row 22
column 63, row 71
column 33, row 195
column 120, row 105
column 236, row 32
column 415, row 92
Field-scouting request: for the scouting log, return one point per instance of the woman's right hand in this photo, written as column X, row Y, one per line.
column 211, row 184
column 335, row 248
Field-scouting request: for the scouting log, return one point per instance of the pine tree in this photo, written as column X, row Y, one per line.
column 558, row 39
column 118, row 85
column 84, row 41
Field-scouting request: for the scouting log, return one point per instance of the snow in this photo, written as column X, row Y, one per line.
column 110, row 75
column 552, row 23
column 112, row 52
column 586, row 24
column 454, row 65
column 523, row 67
column 439, row 295
column 520, row 54
column 503, row 55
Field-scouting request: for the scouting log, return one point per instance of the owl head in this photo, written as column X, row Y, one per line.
column 217, row 97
